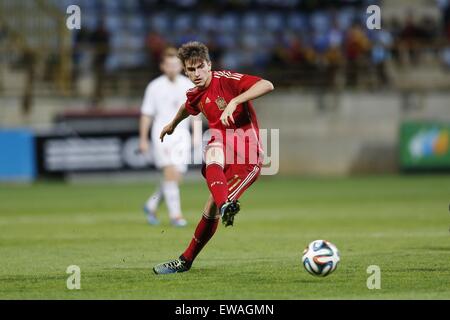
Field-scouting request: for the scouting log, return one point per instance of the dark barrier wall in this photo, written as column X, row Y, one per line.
column 92, row 141
column 90, row 152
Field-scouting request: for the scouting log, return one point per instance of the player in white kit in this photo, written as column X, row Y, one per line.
column 162, row 99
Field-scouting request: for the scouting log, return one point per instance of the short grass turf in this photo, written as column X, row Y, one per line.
column 400, row 224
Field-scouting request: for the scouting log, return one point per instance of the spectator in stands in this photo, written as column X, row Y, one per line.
column 281, row 50
column 380, row 54
column 156, row 45
column 3, row 35
column 100, row 41
column 356, row 47
column 447, row 31
column 333, row 54
column 80, row 45
column 409, row 39
column 444, row 7
column 428, row 27
column 395, row 28
column 29, row 59
column 215, row 51
column 187, row 35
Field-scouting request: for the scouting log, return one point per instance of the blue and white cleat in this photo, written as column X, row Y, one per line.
column 174, row 266
column 178, row 222
column 151, row 217
column 228, row 210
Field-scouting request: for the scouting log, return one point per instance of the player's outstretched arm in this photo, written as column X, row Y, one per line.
column 259, row 89
column 144, row 128
column 180, row 116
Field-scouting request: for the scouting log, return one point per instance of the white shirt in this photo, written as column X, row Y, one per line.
column 163, row 98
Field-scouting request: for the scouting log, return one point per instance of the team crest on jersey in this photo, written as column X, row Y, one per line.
column 221, row 103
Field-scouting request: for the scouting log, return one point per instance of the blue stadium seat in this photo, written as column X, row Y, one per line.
column 112, row 7
column 345, row 18
column 182, row 22
column 227, row 40
column 130, row 6
column 229, row 22
column 251, row 21
column 231, row 59
column 136, row 23
column 250, row 41
column 297, row 22
column 113, row 22
column 113, row 61
column 89, row 20
column 320, row 21
column 207, row 22
column 159, row 22
column 273, row 22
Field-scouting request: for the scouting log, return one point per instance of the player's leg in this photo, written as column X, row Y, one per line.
column 206, row 228
column 240, row 177
column 214, row 173
column 217, row 182
column 203, row 233
column 151, row 206
column 171, row 192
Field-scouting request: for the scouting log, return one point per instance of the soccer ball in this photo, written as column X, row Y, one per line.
column 320, row 258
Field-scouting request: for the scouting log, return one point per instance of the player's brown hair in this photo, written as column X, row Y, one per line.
column 169, row 52
column 193, row 51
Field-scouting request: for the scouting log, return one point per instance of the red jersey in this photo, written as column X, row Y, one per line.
column 211, row 101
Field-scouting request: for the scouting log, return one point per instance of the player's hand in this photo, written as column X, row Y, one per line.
column 166, row 130
column 227, row 114
column 143, row 146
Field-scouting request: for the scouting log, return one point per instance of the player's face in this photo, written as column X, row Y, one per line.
column 199, row 72
column 171, row 67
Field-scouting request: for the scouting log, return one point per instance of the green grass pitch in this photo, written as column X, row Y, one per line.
column 400, row 224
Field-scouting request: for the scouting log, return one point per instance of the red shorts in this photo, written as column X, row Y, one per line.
column 244, row 167
column 239, row 178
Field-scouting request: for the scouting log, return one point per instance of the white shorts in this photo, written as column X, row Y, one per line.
column 174, row 151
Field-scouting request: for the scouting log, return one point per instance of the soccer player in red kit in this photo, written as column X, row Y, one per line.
column 233, row 156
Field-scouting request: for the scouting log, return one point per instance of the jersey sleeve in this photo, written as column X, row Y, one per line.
column 191, row 109
column 148, row 107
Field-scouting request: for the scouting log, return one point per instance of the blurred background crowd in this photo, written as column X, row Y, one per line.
column 268, row 37
column 293, row 42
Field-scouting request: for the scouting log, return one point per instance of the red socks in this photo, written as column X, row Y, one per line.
column 217, row 184
column 204, row 231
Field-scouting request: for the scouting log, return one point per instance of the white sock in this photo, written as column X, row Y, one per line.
column 154, row 200
column 172, row 197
